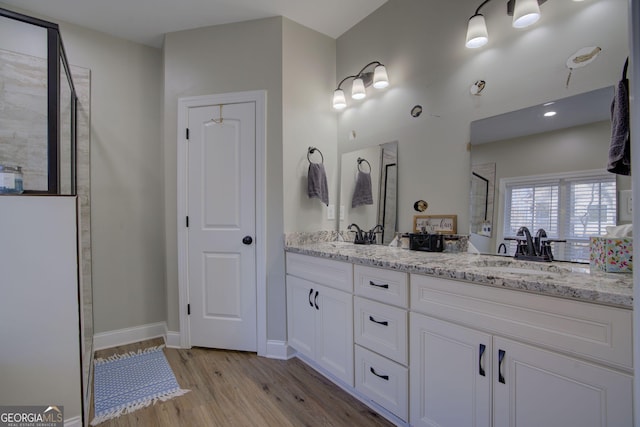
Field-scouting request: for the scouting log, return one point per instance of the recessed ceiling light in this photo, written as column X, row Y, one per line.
column 550, row 114
column 548, row 103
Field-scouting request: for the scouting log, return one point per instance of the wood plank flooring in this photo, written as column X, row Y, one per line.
column 230, row 388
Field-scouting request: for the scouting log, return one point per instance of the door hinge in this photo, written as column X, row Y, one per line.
column 187, row 222
column 187, row 133
column 188, row 309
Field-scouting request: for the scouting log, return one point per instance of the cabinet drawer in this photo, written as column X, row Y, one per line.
column 387, row 286
column 592, row 331
column 381, row 328
column 383, row 381
column 336, row 274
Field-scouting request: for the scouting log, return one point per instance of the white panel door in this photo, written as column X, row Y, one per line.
column 534, row 387
column 450, row 374
column 221, row 214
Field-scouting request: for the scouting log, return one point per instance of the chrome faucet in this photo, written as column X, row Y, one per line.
column 502, row 246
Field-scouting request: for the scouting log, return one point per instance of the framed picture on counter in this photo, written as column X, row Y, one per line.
column 441, row 224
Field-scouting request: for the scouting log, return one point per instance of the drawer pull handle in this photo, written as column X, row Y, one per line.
column 385, row 286
column 501, row 354
column 315, row 301
column 480, row 358
column 310, row 293
column 384, row 377
column 383, row 323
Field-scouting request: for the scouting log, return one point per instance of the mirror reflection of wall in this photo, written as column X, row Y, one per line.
column 579, row 148
column 384, row 171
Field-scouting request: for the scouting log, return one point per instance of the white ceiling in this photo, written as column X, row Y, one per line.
column 145, row 21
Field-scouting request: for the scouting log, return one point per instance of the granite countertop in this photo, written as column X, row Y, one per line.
column 560, row 279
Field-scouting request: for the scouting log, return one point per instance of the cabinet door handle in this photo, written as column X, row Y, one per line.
column 385, row 286
column 315, row 301
column 480, row 359
column 384, row 377
column 310, row 293
column 383, row 323
column 501, row 354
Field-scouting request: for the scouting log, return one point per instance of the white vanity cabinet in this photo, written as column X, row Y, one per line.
column 381, row 337
column 485, row 356
column 320, row 312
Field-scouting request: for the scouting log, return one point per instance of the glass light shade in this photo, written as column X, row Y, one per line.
column 380, row 78
column 357, row 90
column 339, row 101
column 477, row 35
column 525, row 13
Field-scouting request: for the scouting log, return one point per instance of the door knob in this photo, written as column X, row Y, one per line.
column 247, row 240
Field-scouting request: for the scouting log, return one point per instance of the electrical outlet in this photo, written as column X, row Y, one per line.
column 331, row 212
column 341, row 212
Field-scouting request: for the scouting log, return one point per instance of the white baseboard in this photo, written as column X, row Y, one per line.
column 279, row 350
column 128, row 335
column 73, row 422
column 172, row 339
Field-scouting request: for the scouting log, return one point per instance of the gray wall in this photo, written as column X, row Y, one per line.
column 126, row 176
column 220, row 59
column 428, row 64
column 309, row 78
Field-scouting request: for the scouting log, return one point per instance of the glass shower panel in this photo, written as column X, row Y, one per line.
column 23, row 119
column 67, row 134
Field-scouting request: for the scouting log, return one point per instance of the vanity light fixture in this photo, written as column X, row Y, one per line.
column 378, row 78
column 524, row 12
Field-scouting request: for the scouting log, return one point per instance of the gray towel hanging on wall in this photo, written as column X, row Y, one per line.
column 620, row 149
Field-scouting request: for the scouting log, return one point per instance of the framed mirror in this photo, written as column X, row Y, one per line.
column 369, row 189
column 525, row 146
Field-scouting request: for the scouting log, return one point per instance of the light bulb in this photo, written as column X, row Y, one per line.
column 477, row 35
column 339, row 101
column 525, row 13
column 357, row 90
column 380, row 78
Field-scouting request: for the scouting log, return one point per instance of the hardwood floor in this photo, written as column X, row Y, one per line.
column 230, row 388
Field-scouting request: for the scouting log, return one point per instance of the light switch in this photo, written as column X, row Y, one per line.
column 341, row 212
column 331, row 212
column 626, row 205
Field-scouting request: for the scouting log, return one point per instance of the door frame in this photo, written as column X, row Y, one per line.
column 260, row 99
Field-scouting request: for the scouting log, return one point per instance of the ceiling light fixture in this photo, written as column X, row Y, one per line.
column 524, row 12
column 550, row 114
column 378, row 78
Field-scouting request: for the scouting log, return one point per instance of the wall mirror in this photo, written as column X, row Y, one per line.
column 524, row 144
column 369, row 189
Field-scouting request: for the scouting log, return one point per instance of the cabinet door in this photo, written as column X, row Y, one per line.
column 450, row 374
column 534, row 387
column 301, row 315
column 334, row 333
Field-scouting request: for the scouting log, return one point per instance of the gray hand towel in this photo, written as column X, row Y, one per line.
column 317, row 183
column 362, row 193
column 620, row 149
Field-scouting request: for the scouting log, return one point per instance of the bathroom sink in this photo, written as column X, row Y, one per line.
column 509, row 265
column 519, row 270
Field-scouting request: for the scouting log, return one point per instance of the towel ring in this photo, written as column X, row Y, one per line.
column 312, row 150
column 360, row 161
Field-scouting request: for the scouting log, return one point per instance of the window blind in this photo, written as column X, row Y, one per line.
column 570, row 208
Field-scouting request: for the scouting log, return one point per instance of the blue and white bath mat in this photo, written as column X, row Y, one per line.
column 124, row 383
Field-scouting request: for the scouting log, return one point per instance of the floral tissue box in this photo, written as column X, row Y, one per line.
column 612, row 254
